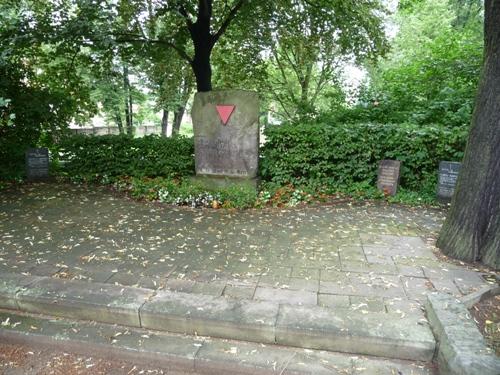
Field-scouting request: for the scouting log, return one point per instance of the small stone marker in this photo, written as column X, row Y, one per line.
column 226, row 134
column 388, row 176
column 447, row 179
column 37, row 163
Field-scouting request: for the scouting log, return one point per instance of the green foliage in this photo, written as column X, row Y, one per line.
column 432, row 73
column 345, row 157
column 105, row 158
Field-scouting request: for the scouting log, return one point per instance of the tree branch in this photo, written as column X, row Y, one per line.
column 185, row 14
column 133, row 38
column 230, row 17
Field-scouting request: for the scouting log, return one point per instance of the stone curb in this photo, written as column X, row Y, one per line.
column 471, row 299
column 461, row 347
column 309, row 327
column 182, row 354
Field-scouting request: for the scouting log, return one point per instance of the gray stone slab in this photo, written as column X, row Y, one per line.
column 303, row 284
column 332, row 300
column 172, row 352
column 367, row 285
column 10, row 284
column 214, row 288
column 373, row 366
column 294, row 297
column 210, row 316
column 372, row 304
column 417, row 288
column 226, row 149
column 462, row 349
column 241, row 292
column 81, row 300
column 365, row 267
column 236, row 357
column 347, row 331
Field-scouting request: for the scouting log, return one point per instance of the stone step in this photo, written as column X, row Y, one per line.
column 183, row 354
column 312, row 327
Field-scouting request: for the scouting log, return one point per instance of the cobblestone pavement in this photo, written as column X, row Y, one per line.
column 367, row 256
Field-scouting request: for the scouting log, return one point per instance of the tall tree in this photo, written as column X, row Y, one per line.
column 311, row 41
column 472, row 229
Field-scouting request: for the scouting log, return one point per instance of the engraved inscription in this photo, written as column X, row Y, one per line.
column 388, row 176
column 37, row 163
column 447, row 179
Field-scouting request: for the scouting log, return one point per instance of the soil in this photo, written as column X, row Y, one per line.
column 487, row 316
column 22, row 360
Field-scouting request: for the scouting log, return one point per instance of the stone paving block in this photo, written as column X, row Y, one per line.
column 241, row 292
column 417, row 288
column 351, row 254
column 319, row 363
column 214, row 288
column 417, row 261
column 380, row 259
column 372, row 304
column 404, row 306
column 210, row 316
column 446, row 286
column 305, row 273
column 411, row 271
column 294, row 297
column 231, row 357
column 10, row 284
column 273, row 281
column 332, row 275
column 468, row 281
column 302, row 284
column 333, row 301
column 180, row 285
column 81, row 300
column 44, row 270
column 367, row 285
column 349, row 331
column 365, row 267
column 373, row 366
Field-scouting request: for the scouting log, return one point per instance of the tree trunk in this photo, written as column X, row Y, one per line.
column 119, row 123
column 203, row 43
column 178, row 115
column 164, row 123
column 130, row 130
column 126, row 90
column 472, row 229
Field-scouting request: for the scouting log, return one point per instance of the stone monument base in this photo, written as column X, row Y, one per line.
column 214, row 182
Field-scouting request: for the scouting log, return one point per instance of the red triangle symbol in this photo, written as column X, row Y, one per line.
column 225, row 112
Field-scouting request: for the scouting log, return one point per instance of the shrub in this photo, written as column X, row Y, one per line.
column 346, row 155
column 187, row 192
column 104, row 158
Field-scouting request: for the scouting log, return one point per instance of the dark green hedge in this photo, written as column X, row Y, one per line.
column 340, row 155
column 106, row 157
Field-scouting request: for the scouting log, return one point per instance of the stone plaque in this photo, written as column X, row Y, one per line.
column 388, row 176
column 37, row 163
column 226, row 133
column 447, row 179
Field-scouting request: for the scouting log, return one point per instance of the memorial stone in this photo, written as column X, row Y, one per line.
column 226, row 134
column 388, row 176
column 447, row 179
column 37, row 163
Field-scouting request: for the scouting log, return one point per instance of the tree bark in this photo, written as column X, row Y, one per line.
column 126, row 90
column 119, row 123
column 178, row 115
column 472, row 229
column 164, row 123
